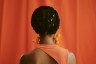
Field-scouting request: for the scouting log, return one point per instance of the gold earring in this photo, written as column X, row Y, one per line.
column 56, row 38
column 36, row 41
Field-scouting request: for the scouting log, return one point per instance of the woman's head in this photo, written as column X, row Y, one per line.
column 45, row 20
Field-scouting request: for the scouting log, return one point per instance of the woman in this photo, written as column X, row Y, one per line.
column 45, row 22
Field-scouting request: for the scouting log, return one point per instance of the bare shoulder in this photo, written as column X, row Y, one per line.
column 23, row 59
column 71, row 58
column 31, row 57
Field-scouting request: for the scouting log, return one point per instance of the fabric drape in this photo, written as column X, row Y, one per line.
column 77, row 28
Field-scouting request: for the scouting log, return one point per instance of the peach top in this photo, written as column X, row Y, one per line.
column 58, row 53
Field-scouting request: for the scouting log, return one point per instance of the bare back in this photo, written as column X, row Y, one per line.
column 37, row 56
column 48, row 55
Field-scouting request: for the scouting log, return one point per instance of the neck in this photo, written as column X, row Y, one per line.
column 47, row 40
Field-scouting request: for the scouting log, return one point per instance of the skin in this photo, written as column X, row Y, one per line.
column 71, row 58
column 37, row 56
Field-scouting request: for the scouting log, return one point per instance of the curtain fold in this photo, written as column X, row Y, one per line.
column 77, row 28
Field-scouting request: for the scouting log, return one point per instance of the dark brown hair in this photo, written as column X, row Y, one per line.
column 45, row 20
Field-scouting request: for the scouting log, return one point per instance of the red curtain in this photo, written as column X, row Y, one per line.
column 77, row 29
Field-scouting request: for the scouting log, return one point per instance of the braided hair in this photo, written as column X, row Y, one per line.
column 45, row 20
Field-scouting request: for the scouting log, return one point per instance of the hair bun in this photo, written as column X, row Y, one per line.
column 45, row 20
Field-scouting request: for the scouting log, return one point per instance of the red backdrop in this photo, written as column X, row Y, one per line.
column 77, row 29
